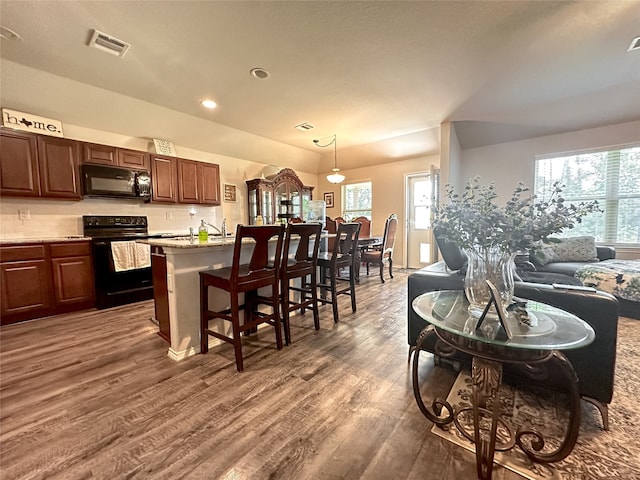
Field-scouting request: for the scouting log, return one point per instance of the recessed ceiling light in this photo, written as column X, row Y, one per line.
column 209, row 104
column 9, row 34
column 259, row 73
column 635, row 44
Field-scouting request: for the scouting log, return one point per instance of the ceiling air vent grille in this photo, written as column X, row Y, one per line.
column 304, row 126
column 635, row 44
column 108, row 44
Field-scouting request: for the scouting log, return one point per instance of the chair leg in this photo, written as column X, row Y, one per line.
column 334, row 298
column 382, row 272
column 314, row 298
column 235, row 323
column 367, row 269
column 285, row 311
column 391, row 267
column 352, row 292
column 204, row 317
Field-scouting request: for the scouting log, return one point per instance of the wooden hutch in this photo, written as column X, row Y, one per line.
column 278, row 199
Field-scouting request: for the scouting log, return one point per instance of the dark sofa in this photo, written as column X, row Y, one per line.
column 570, row 268
column 594, row 364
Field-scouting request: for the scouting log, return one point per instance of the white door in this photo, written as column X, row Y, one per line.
column 420, row 191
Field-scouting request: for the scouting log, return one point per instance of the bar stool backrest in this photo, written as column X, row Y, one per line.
column 261, row 264
column 346, row 240
column 306, row 254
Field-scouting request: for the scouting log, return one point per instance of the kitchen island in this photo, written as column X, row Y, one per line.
column 176, row 265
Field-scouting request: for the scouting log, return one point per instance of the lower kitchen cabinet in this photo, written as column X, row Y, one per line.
column 42, row 279
column 161, row 291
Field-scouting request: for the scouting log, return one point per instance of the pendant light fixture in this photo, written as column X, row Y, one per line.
column 336, row 176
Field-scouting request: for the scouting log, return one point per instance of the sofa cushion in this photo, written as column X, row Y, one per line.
column 571, row 249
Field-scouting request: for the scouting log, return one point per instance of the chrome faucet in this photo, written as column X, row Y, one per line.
column 222, row 231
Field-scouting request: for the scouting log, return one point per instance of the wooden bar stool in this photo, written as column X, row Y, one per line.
column 261, row 271
column 303, row 265
column 343, row 255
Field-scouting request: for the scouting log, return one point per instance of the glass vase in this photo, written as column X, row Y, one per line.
column 494, row 265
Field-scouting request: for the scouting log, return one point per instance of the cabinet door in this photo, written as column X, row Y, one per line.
column 210, row 178
column 163, row 178
column 18, row 164
column 26, row 290
column 59, row 167
column 133, row 159
column 73, row 280
column 188, row 181
column 100, row 154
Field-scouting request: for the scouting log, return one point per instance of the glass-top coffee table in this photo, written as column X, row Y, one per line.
column 537, row 336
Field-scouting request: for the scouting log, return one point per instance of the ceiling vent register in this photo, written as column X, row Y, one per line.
column 108, row 44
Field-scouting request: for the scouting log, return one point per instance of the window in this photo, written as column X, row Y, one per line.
column 357, row 200
column 612, row 177
column 422, row 204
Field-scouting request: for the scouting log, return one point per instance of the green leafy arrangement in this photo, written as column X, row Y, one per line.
column 473, row 220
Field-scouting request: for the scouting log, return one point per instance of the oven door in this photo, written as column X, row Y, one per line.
column 118, row 287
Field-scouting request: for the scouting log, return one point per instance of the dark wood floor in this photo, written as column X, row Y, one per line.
column 94, row 395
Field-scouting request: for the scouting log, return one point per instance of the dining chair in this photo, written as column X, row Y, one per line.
column 343, row 255
column 262, row 270
column 365, row 229
column 384, row 254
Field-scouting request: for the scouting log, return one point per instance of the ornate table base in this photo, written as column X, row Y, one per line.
column 486, row 379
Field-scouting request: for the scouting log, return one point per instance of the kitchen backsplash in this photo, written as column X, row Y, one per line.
column 55, row 218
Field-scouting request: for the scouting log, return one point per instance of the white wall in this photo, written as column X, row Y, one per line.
column 507, row 163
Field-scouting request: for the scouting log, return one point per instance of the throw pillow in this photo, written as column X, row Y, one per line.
column 453, row 256
column 571, row 249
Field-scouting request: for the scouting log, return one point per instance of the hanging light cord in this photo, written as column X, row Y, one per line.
column 334, row 141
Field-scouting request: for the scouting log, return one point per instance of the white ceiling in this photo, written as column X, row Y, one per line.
column 367, row 71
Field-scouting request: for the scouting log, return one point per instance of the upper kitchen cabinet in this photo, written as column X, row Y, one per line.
column 163, row 179
column 38, row 166
column 59, row 167
column 19, row 164
column 278, row 199
column 198, row 182
column 114, row 156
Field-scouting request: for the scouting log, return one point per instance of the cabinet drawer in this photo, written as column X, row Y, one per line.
column 22, row 252
column 70, row 249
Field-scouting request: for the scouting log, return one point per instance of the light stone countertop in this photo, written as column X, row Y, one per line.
column 187, row 244
column 70, row 238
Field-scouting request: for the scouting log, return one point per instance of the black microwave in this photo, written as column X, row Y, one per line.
column 115, row 182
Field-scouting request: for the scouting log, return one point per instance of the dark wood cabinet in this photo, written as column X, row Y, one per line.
column 26, row 283
column 198, row 182
column 114, row 156
column 133, row 159
column 59, row 167
column 160, row 292
column 39, row 166
column 188, row 191
column 163, row 179
column 210, row 175
column 19, row 164
column 278, row 199
column 72, row 269
column 45, row 279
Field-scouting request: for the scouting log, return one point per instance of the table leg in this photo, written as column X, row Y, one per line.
column 486, row 377
column 438, row 404
column 571, row 435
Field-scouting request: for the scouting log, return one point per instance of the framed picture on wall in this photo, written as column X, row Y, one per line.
column 328, row 198
column 229, row 193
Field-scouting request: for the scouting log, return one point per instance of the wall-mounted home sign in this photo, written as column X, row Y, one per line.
column 229, row 193
column 164, row 147
column 31, row 123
